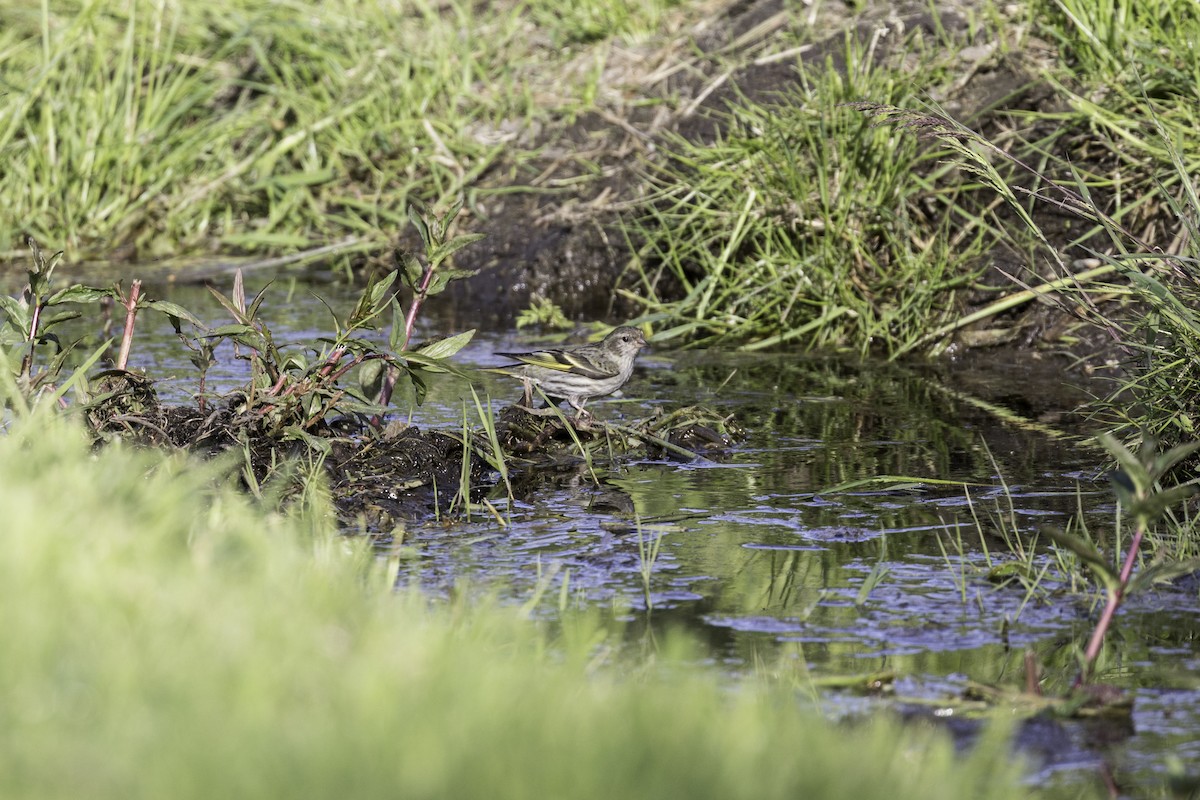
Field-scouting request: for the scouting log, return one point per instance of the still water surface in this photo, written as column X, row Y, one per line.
column 771, row 571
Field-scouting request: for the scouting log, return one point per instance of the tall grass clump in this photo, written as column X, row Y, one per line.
column 1137, row 292
column 804, row 223
column 1132, row 98
column 149, row 129
column 169, row 637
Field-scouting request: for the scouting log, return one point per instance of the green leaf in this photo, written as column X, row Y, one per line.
column 252, row 309
column 1163, row 572
column 296, row 433
column 295, row 361
column 1151, row 508
column 243, row 334
column 370, row 378
column 444, row 251
column 418, row 221
column 442, row 278
column 413, row 270
column 16, row 311
column 80, row 372
column 80, row 294
column 1163, row 464
column 231, row 329
column 416, row 376
column 452, row 212
column 444, row 348
column 50, row 320
column 10, row 337
column 378, row 291
column 1123, row 488
column 172, row 310
column 359, row 406
column 230, row 306
column 397, row 325
column 1086, row 551
column 1128, row 462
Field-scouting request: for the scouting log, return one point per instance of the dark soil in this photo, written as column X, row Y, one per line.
column 380, row 477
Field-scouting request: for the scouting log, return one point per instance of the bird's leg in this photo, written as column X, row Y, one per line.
column 527, row 401
column 582, row 415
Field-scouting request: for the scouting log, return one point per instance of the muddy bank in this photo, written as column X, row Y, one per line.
column 381, row 477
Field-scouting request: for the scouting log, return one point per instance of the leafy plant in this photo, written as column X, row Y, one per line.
column 544, row 313
column 1137, row 484
column 28, row 323
column 425, row 281
column 293, row 391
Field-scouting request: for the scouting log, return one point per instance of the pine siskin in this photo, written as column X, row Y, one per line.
column 579, row 373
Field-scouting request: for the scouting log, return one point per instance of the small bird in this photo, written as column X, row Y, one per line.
column 578, row 373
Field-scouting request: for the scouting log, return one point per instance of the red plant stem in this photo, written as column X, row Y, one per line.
column 354, row 363
column 418, row 298
column 130, row 304
column 27, row 362
column 389, row 380
column 1115, row 597
column 332, row 361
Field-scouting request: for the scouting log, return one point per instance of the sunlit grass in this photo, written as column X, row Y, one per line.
column 1127, row 77
column 807, row 225
column 155, row 129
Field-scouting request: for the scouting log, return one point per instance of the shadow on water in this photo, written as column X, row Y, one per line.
column 770, row 570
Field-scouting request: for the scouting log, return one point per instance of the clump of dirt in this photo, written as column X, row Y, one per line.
column 380, row 476
column 403, row 473
column 687, row 433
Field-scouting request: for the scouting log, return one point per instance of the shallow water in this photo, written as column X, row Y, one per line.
column 766, row 567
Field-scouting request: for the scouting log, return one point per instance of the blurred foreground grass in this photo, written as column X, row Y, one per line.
column 166, row 637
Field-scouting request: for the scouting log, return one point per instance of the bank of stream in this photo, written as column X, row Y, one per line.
column 785, row 553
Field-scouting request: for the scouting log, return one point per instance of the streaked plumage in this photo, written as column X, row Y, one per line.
column 578, row 373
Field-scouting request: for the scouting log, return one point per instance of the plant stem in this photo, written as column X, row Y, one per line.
column 27, row 362
column 410, row 321
column 135, row 289
column 1115, row 596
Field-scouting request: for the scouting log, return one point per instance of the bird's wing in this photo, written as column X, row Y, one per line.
column 561, row 361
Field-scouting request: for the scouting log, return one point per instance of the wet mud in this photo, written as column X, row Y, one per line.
column 382, row 475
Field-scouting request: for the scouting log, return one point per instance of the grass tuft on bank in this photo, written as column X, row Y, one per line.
column 806, row 224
